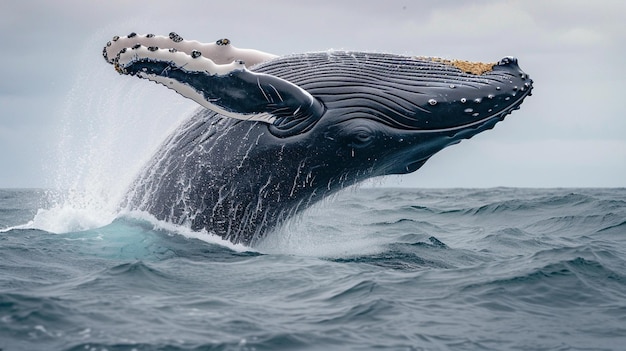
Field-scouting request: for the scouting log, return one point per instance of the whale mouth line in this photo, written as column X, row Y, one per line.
column 499, row 115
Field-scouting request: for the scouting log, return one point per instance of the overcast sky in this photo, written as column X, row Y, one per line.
column 62, row 106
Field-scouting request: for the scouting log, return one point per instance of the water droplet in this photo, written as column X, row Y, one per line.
column 432, row 102
column 463, row 100
column 507, row 98
column 478, row 100
column 490, row 96
column 468, row 110
column 475, row 114
column 498, row 88
column 452, row 86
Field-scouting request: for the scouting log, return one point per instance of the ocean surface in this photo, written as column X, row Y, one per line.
column 392, row 269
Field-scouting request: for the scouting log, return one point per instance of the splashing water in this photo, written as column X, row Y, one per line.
column 109, row 127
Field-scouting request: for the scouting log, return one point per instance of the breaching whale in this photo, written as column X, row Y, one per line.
column 275, row 134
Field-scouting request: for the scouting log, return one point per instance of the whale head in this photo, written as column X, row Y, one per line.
column 306, row 125
column 387, row 114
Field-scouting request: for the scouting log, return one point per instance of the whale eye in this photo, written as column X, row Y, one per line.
column 361, row 137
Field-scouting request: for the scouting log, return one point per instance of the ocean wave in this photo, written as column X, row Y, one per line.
column 619, row 227
column 560, row 279
column 418, row 270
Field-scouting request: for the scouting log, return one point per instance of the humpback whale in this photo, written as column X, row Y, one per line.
column 276, row 134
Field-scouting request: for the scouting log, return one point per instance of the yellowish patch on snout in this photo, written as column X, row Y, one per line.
column 476, row 68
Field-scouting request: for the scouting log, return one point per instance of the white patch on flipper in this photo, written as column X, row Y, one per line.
column 180, row 60
column 220, row 54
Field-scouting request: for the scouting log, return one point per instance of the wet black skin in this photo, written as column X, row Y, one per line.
column 241, row 179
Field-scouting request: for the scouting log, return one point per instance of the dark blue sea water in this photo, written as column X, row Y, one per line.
column 397, row 269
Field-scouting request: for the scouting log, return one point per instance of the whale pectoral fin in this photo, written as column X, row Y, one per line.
column 228, row 89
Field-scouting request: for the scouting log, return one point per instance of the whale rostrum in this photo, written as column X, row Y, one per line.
column 274, row 135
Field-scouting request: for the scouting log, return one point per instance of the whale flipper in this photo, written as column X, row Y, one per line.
column 228, row 89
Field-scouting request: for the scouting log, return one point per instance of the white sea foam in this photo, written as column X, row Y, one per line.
column 67, row 219
column 185, row 231
column 320, row 232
